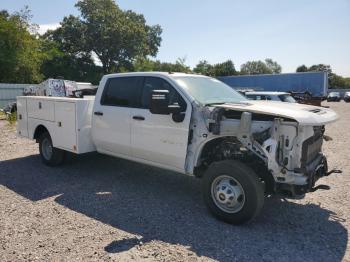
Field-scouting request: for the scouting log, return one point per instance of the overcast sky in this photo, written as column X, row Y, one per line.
column 291, row 32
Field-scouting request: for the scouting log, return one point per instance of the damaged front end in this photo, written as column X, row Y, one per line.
column 284, row 152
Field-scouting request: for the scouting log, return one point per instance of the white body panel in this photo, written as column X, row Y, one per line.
column 304, row 114
column 111, row 131
column 157, row 141
column 84, row 125
column 158, row 138
column 65, row 133
column 22, row 123
column 41, row 109
column 68, row 120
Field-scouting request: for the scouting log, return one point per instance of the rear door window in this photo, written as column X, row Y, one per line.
column 123, row 92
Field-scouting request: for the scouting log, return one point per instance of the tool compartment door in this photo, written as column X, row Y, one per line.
column 22, row 120
column 39, row 108
column 65, row 136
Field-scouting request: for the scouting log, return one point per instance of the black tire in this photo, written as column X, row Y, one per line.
column 250, row 183
column 56, row 157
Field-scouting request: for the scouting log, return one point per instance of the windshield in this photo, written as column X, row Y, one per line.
column 208, row 90
column 287, row 98
column 334, row 94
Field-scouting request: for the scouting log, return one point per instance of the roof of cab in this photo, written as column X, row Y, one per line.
column 168, row 74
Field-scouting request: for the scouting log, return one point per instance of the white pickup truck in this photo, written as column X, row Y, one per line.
column 242, row 150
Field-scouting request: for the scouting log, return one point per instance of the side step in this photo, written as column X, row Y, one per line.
column 322, row 187
column 335, row 171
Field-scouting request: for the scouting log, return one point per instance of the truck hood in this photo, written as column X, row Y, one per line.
column 304, row 114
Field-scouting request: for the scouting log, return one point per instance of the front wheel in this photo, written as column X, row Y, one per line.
column 50, row 155
column 233, row 192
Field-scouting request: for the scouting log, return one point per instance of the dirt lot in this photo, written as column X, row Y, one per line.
column 101, row 208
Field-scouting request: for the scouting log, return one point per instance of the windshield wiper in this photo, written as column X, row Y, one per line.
column 215, row 103
column 224, row 103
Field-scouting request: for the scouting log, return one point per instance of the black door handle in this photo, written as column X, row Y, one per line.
column 98, row 113
column 141, row 118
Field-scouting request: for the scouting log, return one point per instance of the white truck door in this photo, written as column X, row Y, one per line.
column 112, row 115
column 158, row 138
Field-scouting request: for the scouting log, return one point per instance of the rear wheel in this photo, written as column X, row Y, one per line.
column 50, row 155
column 233, row 192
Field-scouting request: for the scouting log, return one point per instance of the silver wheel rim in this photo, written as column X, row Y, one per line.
column 46, row 149
column 227, row 194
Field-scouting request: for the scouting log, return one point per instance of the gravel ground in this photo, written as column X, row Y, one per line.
column 101, row 208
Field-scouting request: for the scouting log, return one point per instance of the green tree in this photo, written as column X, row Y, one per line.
column 347, row 82
column 255, row 68
column 60, row 64
column 320, row 68
column 178, row 66
column 226, row 68
column 302, row 68
column 204, row 68
column 273, row 66
column 115, row 36
column 145, row 64
column 20, row 49
column 334, row 80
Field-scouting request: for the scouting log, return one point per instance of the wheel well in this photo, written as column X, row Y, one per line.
column 230, row 148
column 218, row 149
column 39, row 131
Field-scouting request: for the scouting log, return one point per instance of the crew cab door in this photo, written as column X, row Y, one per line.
column 112, row 115
column 159, row 138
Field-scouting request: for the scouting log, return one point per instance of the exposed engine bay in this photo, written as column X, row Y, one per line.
column 285, row 154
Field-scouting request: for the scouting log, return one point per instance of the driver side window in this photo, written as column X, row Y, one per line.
column 156, row 83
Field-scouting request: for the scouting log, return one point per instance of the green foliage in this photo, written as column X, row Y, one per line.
column 261, row 67
column 203, row 68
column 337, row 81
column 145, row 65
column 69, row 67
column 226, row 68
column 59, row 64
column 347, row 82
column 255, row 68
column 320, row 67
column 274, row 67
column 302, row 68
column 20, row 56
column 115, row 36
column 12, row 118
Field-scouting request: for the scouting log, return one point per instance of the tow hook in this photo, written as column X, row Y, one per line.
column 336, row 171
column 323, row 187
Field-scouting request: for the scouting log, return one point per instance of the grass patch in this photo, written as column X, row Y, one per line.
column 12, row 118
column 2, row 115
